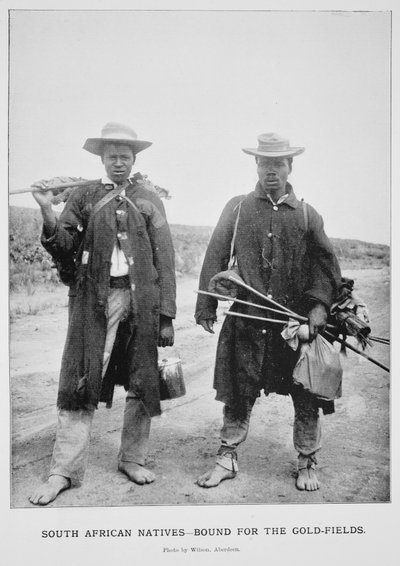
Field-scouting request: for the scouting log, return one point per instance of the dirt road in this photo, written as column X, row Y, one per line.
column 354, row 463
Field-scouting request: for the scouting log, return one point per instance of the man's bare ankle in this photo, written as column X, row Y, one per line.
column 58, row 478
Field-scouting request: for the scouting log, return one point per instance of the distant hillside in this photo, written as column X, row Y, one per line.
column 30, row 262
column 359, row 254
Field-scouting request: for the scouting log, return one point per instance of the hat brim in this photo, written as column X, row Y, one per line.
column 95, row 145
column 291, row 152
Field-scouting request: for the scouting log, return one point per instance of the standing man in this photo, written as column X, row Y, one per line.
column 281, row 250
column 113, row 243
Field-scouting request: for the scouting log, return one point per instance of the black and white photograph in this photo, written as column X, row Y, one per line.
column 200, row 283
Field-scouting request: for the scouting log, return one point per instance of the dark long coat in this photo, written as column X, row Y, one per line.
column 84, row 242
column 277, row 255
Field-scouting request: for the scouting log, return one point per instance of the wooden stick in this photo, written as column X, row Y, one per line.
column 292, row 313
column 326, row 333
column 357, row 351
column 380, row 340
column 337, row 339
column 245, row 286
column 223, row 297
column 58, row 187
column 239, row 314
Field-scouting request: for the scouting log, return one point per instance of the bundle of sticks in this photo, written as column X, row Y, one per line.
column 351, row 325
column 345, row 311
column 332, row 331
column 62, row 187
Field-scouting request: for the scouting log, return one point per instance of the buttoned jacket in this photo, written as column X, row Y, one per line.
column 277, row 255
column 87, row 240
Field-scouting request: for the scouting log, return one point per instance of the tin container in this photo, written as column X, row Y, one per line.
column 172, row 384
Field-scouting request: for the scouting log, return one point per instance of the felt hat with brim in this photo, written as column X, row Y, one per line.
column 117, row 134
column 273, row 145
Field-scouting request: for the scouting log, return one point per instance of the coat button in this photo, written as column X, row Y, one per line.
column 263, row 331
column 118, row 198
column 119, row 235
column 270, row 235
column 275, row 207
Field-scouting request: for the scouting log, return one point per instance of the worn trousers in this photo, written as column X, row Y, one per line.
column 306, row 428
column 71, row 448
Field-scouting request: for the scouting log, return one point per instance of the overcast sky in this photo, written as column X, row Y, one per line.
column 202, row 85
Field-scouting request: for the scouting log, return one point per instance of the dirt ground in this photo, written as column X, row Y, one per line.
column 354, row 463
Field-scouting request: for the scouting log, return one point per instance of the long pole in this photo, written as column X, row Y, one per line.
column 241, row 315
column 222, row 297
column 245, row 286
column 325, row 333
column 357, row 351
column 58, row 187
column 337, row 339
column 281, row 307
column 380, row 340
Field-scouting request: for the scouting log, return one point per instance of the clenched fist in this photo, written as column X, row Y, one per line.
column 317, row 320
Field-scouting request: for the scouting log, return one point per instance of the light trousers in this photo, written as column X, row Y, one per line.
column 71, row 448
column 236, row 421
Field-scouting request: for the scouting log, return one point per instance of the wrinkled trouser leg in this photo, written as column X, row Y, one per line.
column 71, row 448
column 135, row 431
column 234, row 431
column 307, row 425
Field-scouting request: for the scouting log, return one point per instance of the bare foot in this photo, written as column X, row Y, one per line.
column 48, row 491
column 136, row 473
column 307, row 478
column 214, row 477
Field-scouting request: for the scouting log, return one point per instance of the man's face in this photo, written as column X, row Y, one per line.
column 118, row 161
column 273, row 173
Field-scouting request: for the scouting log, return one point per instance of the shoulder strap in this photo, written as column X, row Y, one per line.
column 232, row 259
column 108, row 197
column 305, row 213
column 131, row 203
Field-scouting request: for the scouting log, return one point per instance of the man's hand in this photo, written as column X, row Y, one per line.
column 317, row 320
column 207, row 324
column 43, row 197
column 166, row 333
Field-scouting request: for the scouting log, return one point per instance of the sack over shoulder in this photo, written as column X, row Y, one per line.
column 319, row 369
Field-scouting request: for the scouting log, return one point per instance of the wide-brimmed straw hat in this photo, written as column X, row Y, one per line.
column 273, row 145
column 115, row 133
